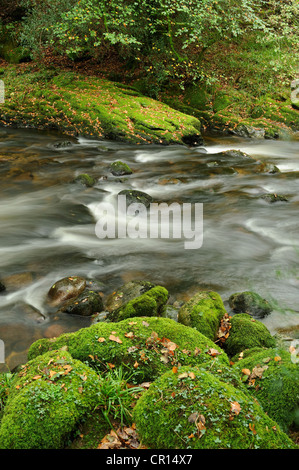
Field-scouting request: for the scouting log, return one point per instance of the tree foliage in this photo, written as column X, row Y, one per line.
column 170, row 37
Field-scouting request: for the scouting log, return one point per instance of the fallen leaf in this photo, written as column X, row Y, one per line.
column 101, row 340
column 246, row 371
column 129, row 335
column 115, row 338
column 36, row 377
column 235, row 407
column 175, row 370
column 213, row 352
column 277, row 358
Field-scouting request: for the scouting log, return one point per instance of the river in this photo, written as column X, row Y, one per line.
column 48, row 226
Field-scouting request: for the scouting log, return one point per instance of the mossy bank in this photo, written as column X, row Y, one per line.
column 78, row 104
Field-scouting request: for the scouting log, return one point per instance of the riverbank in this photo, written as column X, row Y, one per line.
column 76, row 102
column 88, row 106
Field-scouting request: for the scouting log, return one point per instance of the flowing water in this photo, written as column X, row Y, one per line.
column 48, row 226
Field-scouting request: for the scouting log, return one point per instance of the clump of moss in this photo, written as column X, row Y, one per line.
column 85, row 180
column 149, row 304
column 191, row 408
column 246, row 333
column 148, row 345
column 47, row 398
column 203, row 312
column 273, row 379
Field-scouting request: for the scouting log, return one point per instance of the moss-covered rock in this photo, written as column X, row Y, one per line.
column 273, row 378
column 46, row 400
column 203, row 312
column 127, row 292
column 247, row 333
column 119, row 168
column 149, row 304
column 85, row 180
column 251, row 303
column 191, row 408
column 149, row 345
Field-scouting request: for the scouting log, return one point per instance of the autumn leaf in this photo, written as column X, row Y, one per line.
column 235, row 407
column 213, row 352
column 129, row 335
column 36, row 377
column 252, row 428
column 277, row 358
column 101, row 340
column 115, row 338
column 246, row 371
column 175, row 370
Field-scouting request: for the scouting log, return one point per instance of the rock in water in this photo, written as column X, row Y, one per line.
column 251, row 303
column 65, row 289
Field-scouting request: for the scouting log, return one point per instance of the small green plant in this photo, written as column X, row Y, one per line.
column 116, row 396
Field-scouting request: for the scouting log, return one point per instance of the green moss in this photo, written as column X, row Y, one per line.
column 148, row 345
column 273, row 380
column 46, row 400
column 247, row 333
column 194, row 409
column 203, row 312
column 149, row 304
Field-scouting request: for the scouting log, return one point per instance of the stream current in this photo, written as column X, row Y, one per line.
column 48, row 226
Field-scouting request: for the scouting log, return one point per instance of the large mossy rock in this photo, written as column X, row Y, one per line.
column 150, row 304
column 47, row 398
column 191, row 408
column 203, row 312
column 149, row 345
column 247, row 333
column 273, row 378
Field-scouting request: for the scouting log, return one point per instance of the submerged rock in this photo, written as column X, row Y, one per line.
column 251, row 303
column 2, row 287
column 134, row 196
column 274, row 198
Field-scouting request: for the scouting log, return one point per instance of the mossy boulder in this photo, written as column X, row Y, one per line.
column 203, row 312
column 247, row 333
column 251, row 303
column 149, row 345
column 47, row 398
column 191, row 408
column 150, row 304
column 273, row 378
column 119, row 168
